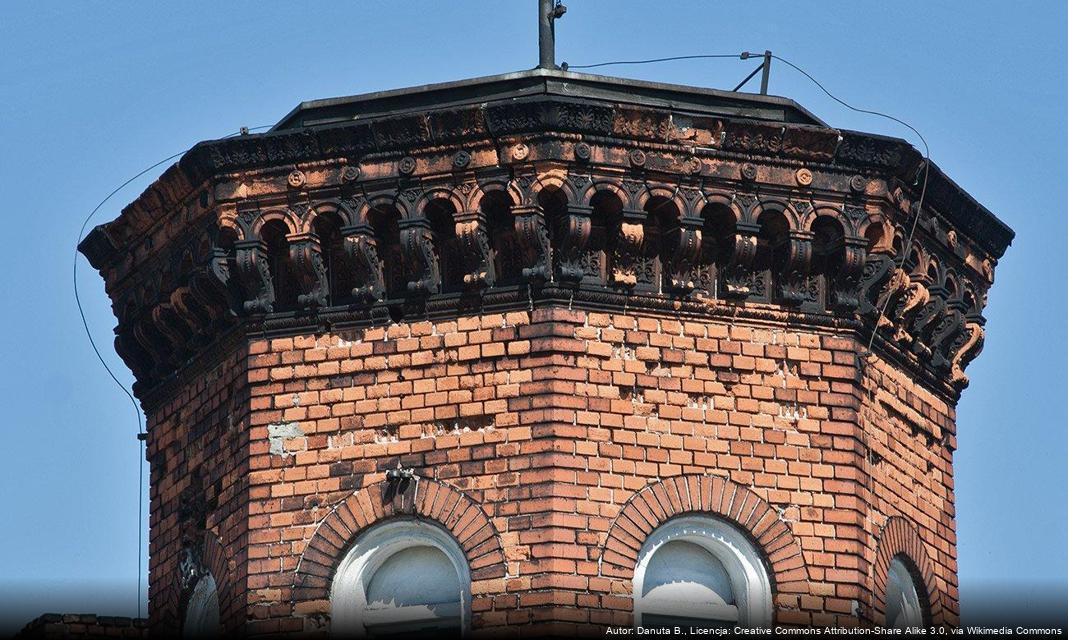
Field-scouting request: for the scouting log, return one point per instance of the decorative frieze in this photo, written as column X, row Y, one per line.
column 603, row 199
column 916, row 311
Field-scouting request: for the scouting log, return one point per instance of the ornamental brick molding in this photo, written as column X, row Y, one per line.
column 420, row 498
column 573, row 307
column 898, row 537
column 419, row 233
column 702, row 494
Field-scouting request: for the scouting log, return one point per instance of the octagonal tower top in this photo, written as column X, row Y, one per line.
column 544, row 187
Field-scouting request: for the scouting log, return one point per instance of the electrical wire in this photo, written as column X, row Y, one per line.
column 923, row 189
column 742, row 56
column 745, row 55
column 100, row 357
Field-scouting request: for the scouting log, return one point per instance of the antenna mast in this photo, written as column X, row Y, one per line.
column 548, row 12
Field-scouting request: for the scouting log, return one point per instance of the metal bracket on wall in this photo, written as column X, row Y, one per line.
column 764, row 68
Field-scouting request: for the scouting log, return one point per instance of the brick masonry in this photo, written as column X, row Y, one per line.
column 199, row 454
column 575, row 308
column 549, row 442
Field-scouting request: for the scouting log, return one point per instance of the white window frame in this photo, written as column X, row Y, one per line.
column 348, row 591
column 741, row 559
column 901, row 584
column 202, row 615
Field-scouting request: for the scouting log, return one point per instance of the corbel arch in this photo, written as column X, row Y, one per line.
column 783, row 254
column 439, row 193
column 721, row 201
column 933, row 270
column 823, row 210
column 668, row 194
column 783, row 207
column 730, row 240
column 443, row 210
column 898, row 240
column 917, row 261
column 326, row 207
column 286, row 217
column 127, row 306
column 952, row 284
column 176, row 269
column 495, row 200
column 554, row 179
column 227, row 231
column 899, row 538
column 380, row 262
column 383, row 202
column 604, row 185
column 326, row 270
column 152, row 289
column 854, row 219
column 421, row 499
column 972, row 302
column 662, row 501
column 880, row 237
column 828, row 228
column 481, row 190
column 839, row 257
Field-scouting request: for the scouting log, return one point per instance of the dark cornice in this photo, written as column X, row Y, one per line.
column 546, row 82
column 193, row 257
column 539, row 101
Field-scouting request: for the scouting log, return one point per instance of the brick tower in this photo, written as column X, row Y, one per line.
column 545, row 352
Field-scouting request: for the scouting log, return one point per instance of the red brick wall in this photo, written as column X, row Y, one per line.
column 572, row 434
column 198, row 450
column 911, row 434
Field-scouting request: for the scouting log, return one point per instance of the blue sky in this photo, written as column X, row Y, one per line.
column 92, row 92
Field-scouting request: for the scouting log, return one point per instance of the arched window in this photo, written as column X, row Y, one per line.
column 202, row 610
column 700, row 571
column 904, row 605
column 402, row 577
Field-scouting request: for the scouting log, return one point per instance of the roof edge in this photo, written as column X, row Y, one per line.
column 552, row 81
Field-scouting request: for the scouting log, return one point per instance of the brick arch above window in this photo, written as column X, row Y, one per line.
column 898, row 537
column 217, row 562
column 687, row 494
column 421, row 498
